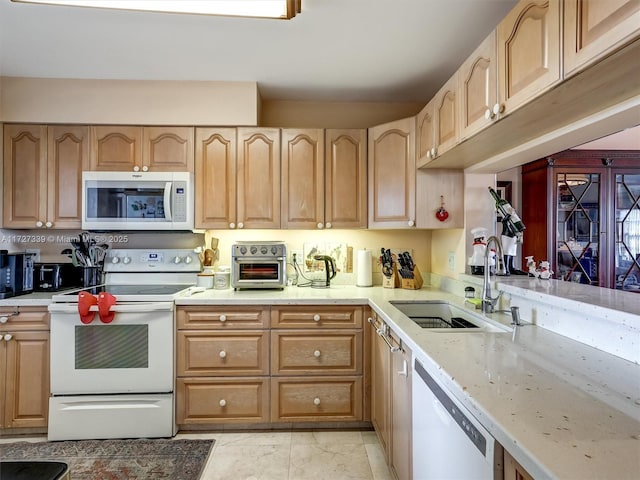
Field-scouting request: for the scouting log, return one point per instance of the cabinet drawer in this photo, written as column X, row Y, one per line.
column 223, row 353
column 329, row 352
column 303, row 399
column 206, row 400
column 316, row 316
column 229, row 317
column 27, row 318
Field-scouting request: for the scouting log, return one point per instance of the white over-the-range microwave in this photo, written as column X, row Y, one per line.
column 137, row 201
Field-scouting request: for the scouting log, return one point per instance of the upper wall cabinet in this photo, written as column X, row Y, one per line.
column 528, row 41
column 478, row 88
column 345, row 198
column 215, row 178
column 258, row 177
column 156, row 149
column 43, row 175
column 302, row 178
column 594, row 28
column 426, row 137
column 392, row 174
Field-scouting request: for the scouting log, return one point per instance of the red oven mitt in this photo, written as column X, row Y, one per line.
column 85, row 301
column 105, row 302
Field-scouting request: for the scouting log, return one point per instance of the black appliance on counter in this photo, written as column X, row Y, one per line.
column 52, row 277
column 16, row 274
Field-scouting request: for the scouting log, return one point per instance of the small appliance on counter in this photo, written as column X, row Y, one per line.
column 16, row 274
column 259, row 265
column 52, row 277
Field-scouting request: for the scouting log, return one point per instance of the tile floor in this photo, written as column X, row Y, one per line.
column 314, row 455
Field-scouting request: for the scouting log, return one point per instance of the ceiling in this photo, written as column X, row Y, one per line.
column 335, row 50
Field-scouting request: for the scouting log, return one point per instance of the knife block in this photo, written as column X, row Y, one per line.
column 393, row 281
column 414, row 283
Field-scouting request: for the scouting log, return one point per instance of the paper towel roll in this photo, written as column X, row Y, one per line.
column 363, row 277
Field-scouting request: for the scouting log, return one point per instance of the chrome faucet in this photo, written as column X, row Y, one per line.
column 489, row 302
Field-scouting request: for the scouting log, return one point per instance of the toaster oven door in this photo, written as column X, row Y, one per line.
column 258, row 273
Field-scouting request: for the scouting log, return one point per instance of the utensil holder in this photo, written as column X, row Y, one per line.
column 414, row 283
column 91, row 276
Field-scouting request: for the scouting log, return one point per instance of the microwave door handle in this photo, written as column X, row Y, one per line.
column 167, row 201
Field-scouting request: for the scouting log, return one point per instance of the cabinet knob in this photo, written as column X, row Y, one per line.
column 240, row 225
column 136, row 168
column 316, row 401
column 316, row 353
column 327, row 225
column 488, row 114
column 316, row 318
column 232, row 225
column 222, row 354
column 48, row 224
column 145, row 168
column 4, row 319
column 320, row 226
column 434, row 152
column 498, row 108
column 222, row 403
column 411, row 223
column 39, row 224
column 223, row 318
column 7, row 337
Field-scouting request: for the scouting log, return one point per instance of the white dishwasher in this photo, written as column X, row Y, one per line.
column 448, row 443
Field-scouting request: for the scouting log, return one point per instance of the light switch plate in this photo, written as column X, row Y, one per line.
column 452, row 261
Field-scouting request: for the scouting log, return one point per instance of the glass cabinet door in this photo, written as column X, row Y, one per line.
column 627, row 232
column 578, row 219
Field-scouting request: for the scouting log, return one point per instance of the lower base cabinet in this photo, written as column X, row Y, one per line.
column 513, row 470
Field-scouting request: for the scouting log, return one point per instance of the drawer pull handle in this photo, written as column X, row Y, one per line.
column 223, row 318
column 316, row 353
column 222, row 354
column 316, row 401
column 316, row 318
column 223, row 403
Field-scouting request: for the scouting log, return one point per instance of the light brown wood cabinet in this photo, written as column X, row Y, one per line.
column 258, row 184
column 222, row 365
column 24, row 367
column 43, row 175
column 528, row 40
column 425, row 134
column 391, row 372
column 134, row 148
column 478, row 88
column 513, row 470
column 316, row 363
column 593, row 29
column 392, row 168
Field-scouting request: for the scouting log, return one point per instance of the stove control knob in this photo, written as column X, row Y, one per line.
column 177, row 260
column 126, row 260
column 243, row 250
column 263, row 250
column 115, row 260
column 188, row 259
column 254, row 250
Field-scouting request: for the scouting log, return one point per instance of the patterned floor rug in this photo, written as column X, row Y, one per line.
column 119, row 459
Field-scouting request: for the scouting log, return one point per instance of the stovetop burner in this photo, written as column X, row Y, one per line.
column 131, row 290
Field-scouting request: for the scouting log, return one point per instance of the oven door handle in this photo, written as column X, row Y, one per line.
column 126, row 308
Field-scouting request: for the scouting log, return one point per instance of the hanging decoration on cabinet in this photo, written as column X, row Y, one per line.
column 441, row 213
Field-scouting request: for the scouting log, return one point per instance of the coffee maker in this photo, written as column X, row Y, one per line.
column 16, row 274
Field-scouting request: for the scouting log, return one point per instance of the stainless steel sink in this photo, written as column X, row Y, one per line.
column 442, row 316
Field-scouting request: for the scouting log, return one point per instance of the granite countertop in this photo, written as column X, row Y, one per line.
column 562, row 408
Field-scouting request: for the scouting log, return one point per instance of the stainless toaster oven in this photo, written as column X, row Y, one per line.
column 258, row 265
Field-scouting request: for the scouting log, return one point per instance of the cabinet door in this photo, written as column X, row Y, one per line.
column 258, row 178
column 68, row 156
column 27, row 380
column 302, row 178
column 478, row 87
column 513, row 470
column 528, row 51
column 25, row 174
column 426, row 140
column 594, row 28
column 392, row 169
column 400, row 458
column 446, row 115
column 380, row 385
column 215, row 178
column 116, row 148
column 345, row 200
column 168, row 149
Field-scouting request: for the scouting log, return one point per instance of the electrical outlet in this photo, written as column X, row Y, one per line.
column 452, row 261
column 298, row 254
column 36, row 252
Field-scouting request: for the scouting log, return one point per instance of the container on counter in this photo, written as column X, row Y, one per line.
column 205, row 280
column 222, row 278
